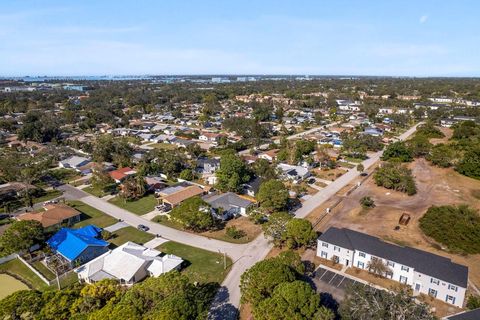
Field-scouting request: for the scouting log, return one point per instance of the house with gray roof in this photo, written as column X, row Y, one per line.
column 424, row 272
column 74, row 162
column 465, row 315
column 228, row 205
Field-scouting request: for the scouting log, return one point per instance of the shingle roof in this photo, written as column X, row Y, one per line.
column 227, row 201
column 424, row 262
column 53, row 214
column 70, row 243
column 469, row 315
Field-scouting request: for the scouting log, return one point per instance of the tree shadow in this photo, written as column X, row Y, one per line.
column 221, row 309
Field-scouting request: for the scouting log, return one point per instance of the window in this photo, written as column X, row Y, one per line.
column 403, row 279
column 361, row 254
column 452, row 287
column 361, row 265
column 324, row 244
column 434, row 281
column 405, row 268
column 390, row 264
column 432, row 292
column 324, row 255
column 450, row 299
column 335, row 248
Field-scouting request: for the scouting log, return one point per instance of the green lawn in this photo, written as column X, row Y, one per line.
column 346, row 164
column 130, row 234
column 97, row 192
column 91, row 215
column 17, row 267
column 203, row 266
column 356, row 160
column 47, row 273
column 51, row 194
column 9, row 285
column 140, row 207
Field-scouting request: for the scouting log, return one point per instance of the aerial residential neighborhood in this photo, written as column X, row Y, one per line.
column 239, row 160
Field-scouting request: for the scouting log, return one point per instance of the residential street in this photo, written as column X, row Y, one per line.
column 243, row 255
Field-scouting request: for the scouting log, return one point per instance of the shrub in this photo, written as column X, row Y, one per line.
column 367, row 202
column 397, row 177
column 235, row 233
column 398, row 151
column 457, row 228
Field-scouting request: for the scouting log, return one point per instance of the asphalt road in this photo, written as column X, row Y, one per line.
column 243, row 256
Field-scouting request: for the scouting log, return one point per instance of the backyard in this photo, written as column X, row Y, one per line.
column 17, row 268
column 91, row 215
column 140, row 207
column 203, row 266
column 9, row 285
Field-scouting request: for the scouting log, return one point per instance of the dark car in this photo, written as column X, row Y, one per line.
column 311, row 181
column 363, row 174
column 143, row 227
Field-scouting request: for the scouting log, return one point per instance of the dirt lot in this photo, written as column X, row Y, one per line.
column 251, row 230
column 330, row 174
column 448, row 134
column 435, row 186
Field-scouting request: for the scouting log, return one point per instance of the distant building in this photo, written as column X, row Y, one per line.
column 74, row 162
column 228, row 205
column 121, row 174
column 53, row 215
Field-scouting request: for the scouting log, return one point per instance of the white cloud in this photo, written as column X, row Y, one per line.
column 423, row 18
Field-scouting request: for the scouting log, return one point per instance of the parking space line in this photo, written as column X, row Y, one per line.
column 323, row 275
column 334, row 275
column 338, row 285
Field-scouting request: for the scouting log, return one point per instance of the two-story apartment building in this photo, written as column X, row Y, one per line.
column 424, row 272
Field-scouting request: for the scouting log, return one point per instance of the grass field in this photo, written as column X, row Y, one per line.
column 130, row 234
column 204, row 266
column 47, row 273
column 16, row 267
column 91, row 215
column 9, row 285
column 140, row 207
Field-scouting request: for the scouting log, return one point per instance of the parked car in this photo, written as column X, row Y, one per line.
column 143, row 227
column 50, row 202
column 364, row 174
column 311, row 181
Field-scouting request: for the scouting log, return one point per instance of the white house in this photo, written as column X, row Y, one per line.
column 74, row 162
column 294, row 173
column 424, row 272
column 128, row 263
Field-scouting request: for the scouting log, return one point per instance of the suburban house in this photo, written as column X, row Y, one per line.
column 228, row 205
column 252, row 187
column 78, row 245
column 155, row 183
column 74, row 162
column 210, row 137
column 270, row 155
column 293, row 173
column 207, row 165
column 53, row 215
column 424, row 272
column 129, row 264
column 12, row 190
column 173, row 196
column 121, row 174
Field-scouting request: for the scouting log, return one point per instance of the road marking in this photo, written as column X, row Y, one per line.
column 323, row 275
column 334, row 275
column 338, row 285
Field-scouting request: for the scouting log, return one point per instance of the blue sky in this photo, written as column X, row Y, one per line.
column 394, row 37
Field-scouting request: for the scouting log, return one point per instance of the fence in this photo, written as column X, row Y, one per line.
column 34, row 270
column 8, row 258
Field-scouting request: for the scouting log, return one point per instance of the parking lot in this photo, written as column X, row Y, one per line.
column 333, row 283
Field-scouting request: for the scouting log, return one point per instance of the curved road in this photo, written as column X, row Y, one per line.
column 243, row 256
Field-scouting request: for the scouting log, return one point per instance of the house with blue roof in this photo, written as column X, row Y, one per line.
column 78, row 245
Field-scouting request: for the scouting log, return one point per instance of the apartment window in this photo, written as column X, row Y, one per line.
column 450, row 299
column 434, row 281
column 452, row 287
column 335, row 248
column 324, row 244
column 432, row 292
column 405, row 268
column 361, row 254
column 390, row 264
column 361, row 265
column 403, row 279
column 324, row 255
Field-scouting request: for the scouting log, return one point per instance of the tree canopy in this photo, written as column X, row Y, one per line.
column 273, row 195
column 194, row 214
column 21, row 236
column 233, row 173
column 395, row 176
